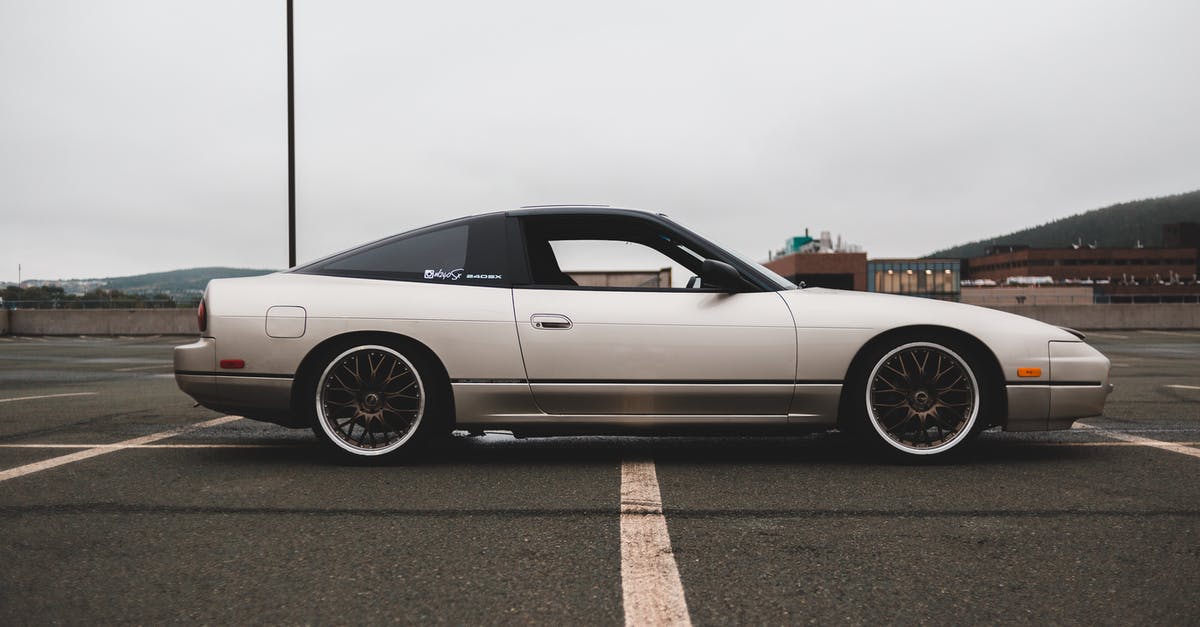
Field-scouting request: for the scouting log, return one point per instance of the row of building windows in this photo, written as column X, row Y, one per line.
column 923, row 278
column 1025, row 263
column 1112, row 262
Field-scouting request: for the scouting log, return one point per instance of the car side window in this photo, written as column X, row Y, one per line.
column 464, row 252
column 607, row 252
column 609, row 263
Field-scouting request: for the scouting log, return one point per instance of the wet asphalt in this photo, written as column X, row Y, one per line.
column 250, row 522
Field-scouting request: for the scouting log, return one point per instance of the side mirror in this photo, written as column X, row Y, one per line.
column 720, row 275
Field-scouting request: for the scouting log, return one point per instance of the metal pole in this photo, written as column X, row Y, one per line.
column 291, row 131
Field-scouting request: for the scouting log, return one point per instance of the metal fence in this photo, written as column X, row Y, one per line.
column 99, row 304
column 991, row 300
column 1119, row 299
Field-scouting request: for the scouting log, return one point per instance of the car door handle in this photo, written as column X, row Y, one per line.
column 550, row 321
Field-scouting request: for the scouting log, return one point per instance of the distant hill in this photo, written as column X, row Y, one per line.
column 177, row 281
column 1118, row 226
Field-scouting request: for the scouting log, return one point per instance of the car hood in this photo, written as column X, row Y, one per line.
column 841, row 308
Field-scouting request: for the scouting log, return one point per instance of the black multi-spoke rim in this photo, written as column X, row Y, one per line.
column 922, row 397
column 370, row 399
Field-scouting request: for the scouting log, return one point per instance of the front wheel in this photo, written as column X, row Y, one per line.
column 920, row 398
column 371, row 401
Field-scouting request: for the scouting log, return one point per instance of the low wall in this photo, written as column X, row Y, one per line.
column 1003, row 296
column 102, row 322
column 3, row 321
column 1123, row 316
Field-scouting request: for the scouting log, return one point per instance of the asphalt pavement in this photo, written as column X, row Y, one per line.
column 115, row 509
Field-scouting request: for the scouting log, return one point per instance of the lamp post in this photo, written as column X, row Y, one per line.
column 291, row 133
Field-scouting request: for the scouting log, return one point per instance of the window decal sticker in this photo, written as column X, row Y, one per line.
column 445, row 275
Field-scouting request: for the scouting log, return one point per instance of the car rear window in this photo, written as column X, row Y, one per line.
column 443, row 251
column 461, row 252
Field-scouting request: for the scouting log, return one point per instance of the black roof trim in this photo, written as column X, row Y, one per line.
column 563, row 205
column 566, row 210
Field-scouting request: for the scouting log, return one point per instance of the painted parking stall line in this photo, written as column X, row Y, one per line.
column 1174, row 447
column 186, row 446
column 1171, row 333
column 1180, row 386
column 650, row 586
column 54, row 462
column 137, row 368
column 34, row 398
column 1119, row 443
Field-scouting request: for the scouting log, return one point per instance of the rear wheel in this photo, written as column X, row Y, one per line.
column 920, row 399
column 372, row 401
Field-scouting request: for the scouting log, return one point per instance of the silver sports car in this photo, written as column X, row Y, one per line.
column 472, row 324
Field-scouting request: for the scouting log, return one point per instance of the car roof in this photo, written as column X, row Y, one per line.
column 549, row 210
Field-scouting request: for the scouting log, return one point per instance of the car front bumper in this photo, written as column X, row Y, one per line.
column 1076, row 387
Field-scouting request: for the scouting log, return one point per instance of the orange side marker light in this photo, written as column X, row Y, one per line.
column 1029, row 372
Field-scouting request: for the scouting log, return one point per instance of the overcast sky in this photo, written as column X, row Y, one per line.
column 147, row 136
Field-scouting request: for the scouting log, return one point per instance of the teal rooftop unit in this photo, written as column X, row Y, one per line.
column 794, row 244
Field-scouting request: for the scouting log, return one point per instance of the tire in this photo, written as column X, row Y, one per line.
column 920, row 399
column 372, row 402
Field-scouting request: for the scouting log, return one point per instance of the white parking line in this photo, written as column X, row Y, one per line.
column 1182, row 387
column 1175, row 333
column 143, row 368
column 21, row 471
column 219, row 445
column 33, row 398
column 1092, row 443
column 650, row 585
column 1174, row 447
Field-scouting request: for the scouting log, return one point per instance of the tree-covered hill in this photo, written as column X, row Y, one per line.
column 1119, row 226
column 177, row 281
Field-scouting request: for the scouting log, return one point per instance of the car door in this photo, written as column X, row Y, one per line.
column 657, row 352
column 654, row 351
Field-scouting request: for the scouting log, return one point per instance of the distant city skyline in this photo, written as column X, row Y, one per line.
column 149, row 136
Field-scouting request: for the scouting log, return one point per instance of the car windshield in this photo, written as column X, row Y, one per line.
column 780, row 282
column 783, row 283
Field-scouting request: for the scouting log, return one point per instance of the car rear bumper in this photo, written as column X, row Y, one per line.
column 257, row 396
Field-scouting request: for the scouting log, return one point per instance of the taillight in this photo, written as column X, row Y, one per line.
column 202, row 317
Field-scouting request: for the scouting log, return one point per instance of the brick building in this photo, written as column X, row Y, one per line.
column 1181, row 235
column 1142, row 266
column 843, row 271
